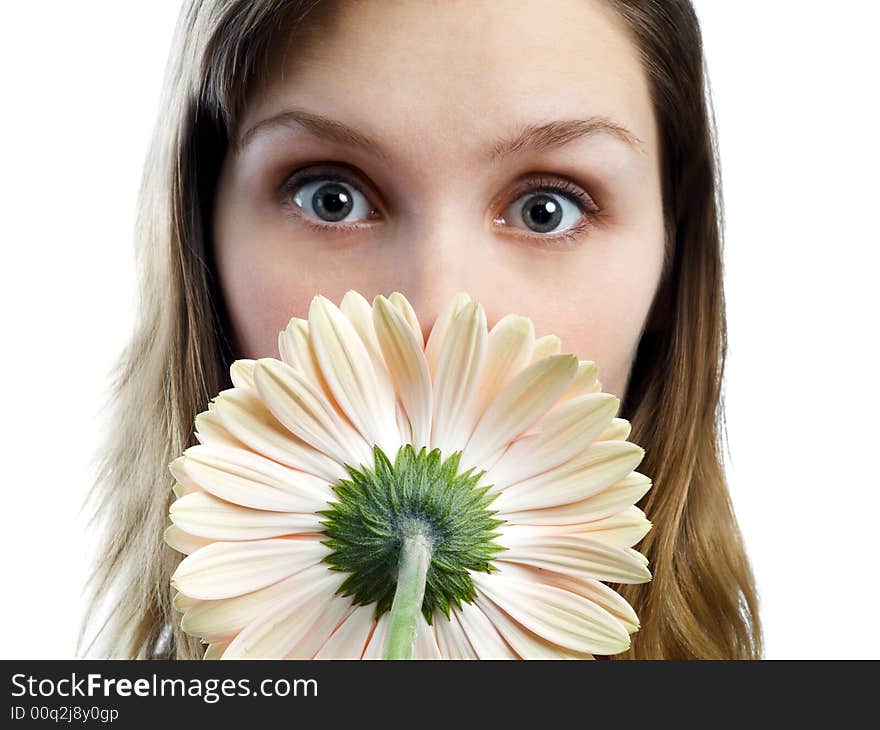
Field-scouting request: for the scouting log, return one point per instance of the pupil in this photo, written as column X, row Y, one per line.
column 543, row 213
column 332, row 202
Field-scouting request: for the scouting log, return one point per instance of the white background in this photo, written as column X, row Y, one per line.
column 796, row 100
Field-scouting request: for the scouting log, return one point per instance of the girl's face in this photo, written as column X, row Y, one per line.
column 431, row 148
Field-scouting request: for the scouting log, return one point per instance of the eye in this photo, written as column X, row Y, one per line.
column 544, row 212
column 332, row 201
column 327, row 199
column 551, row 207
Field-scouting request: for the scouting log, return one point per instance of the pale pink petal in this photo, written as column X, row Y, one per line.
column 274, row 634
column 600, row 465
column 616, row 498
column 350, row 639
column 307, row 413
column 457, row 377
column 482, row 634
column 224, row 618
column 525, row 643
column 508, row 350
column 557, row 616
column 425, row 642
column 519, row 404
column 610, row 501
column 181, row 490
column 451, row 638
column 637, row 556
column 295, row 349
column 403, row 424
column 409, row 314
column 360, row 314
column 618, row 430
column 600, row 594
column 622, row 529
column 583, row 382
column 563, row 433
column 226, row 569
column 591, row 589
column 409, row 369
column 183, row 603
column 210, row 430
column 241, row 373
column 572, row 555
column 250, row 480
column 246, row 417
column 206, row 516
column 330, row 612
column 375, row 648
column 182, row 541
column 437, row 335
column 545, row 347
column 350, row 375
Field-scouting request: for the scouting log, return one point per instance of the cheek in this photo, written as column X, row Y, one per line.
column 599, row 308
column 613, row 304
column 612, row 328
column 268, row 276
column 258, row 304
column 261, row 285
column 608, row 333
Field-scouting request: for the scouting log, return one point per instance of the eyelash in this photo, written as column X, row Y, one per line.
column 540, row 184
column 590, row 212
column 288, row 188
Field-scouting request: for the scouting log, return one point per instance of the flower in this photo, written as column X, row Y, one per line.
column 374, row 495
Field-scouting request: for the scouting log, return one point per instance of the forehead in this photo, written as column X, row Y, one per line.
column 457, row 72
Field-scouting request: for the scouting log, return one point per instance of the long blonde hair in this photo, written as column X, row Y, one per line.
column 702, row 601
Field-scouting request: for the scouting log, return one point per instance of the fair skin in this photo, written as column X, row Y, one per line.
column 438, row 209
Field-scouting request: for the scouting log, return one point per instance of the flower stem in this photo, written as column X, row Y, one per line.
column 415, row 557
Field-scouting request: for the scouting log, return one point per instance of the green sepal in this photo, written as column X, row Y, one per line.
column 376, row 508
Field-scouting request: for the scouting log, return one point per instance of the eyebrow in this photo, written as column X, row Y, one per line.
column 535, row 137
column 551, row 135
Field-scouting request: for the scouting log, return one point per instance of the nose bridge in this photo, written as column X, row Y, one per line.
column 441, row 252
